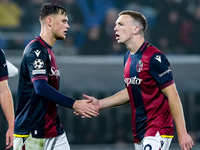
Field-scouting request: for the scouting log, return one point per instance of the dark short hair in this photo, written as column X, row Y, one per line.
column 51, row 8
column 137, row 16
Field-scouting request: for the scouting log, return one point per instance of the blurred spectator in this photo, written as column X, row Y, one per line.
column 169, row 30
column 108, row 35
column 192, row 6
column 94, row 11
column 169, row 26
column 76, row 21
column 163, row 44
column 150, row 14
column 93, row 44
column 164, row 6
column 10, row 15
column 186, row 35
column 30, row 20
column 196, row 32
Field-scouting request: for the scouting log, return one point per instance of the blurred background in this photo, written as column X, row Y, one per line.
column 91, row 61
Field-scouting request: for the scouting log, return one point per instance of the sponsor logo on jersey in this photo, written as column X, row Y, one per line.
column 38, row 72
column 38, row 64
column 165, row 72
column 54, row 72
column 158, row 58
column 37, row 53
column 132, row 80
column 139, row 66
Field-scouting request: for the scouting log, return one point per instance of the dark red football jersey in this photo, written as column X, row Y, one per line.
column 146, row 73
column 35, row 114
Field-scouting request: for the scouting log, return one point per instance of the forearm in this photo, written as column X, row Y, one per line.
column 177, row 113
column 117, row 99
column 7, row 107
column 44, row 90
column 176, row 108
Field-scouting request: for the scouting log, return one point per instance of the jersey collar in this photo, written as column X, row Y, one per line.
column 43, row 42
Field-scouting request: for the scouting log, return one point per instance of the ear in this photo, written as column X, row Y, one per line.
column 49, row 21
column 136, row 29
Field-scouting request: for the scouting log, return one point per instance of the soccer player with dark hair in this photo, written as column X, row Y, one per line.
column 6, row 100
column 37, row 124
column 150, row 89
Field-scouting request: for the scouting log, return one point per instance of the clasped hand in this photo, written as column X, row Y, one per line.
column 87, row 107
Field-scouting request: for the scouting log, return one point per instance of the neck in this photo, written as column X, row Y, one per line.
column 135, row 44
column 47, row 37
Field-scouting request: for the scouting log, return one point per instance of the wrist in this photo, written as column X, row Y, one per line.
column 74, row 105
column 181, row 132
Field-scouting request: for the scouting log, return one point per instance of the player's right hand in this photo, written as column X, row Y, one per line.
column 85, row 108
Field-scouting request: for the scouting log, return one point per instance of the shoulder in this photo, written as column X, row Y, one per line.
column 156, row 55
column 33, row 47
column 158, row 59
column 151, row 52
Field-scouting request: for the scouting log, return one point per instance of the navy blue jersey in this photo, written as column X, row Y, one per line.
column 146, row 73
column 3, row 66
column 35, row 114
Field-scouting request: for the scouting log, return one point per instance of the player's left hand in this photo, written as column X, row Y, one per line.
column 9, row 138
column 185, row 141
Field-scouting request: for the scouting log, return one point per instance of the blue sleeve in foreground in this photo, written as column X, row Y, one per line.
column 44, row 90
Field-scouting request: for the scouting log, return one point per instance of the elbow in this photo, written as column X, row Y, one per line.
column 39, row 87
column 38, row 90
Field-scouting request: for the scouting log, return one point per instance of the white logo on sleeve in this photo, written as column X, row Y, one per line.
column 158, row 58
column 37, row 53
column 38, row 63
column 165, row 72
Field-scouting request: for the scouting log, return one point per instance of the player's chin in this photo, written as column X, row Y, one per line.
column 61, row 37
column 119, row 42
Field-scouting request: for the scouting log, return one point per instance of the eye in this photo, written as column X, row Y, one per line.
column 64, row 21
column 120, row 24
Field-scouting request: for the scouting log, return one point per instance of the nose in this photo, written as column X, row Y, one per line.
column 67, row 26
column 115, row 28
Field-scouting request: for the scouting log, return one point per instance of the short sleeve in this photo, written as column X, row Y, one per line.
column 3, row 66
column 160, row 70
column 37, row 64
